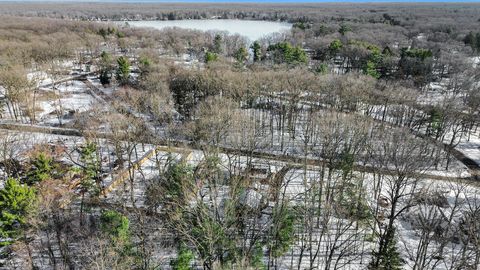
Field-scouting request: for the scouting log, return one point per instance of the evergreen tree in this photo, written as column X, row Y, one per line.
column 16, row 203
column 116, row 227
column 90, row 169
column 88, row 156
column 183, row 260
column 104, row 77
column 344, row 29
column 283, row 231
column 334, row 47
column 41, row 168
column 123, row 70
column 473, row 40
column 102, row 32
column 256, row 260
column 241, row 55
column 387, row 258
column 217, row 44
column 210, row 57
column 284, row 52
column 322, row 68
column 257, row 51
column 106, row 63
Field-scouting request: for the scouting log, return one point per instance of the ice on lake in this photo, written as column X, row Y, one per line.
column 253, row 30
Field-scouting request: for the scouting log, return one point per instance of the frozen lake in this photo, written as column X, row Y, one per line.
column 253, row 30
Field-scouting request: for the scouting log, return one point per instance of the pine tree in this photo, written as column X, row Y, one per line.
column 389, row 257
column 42, row 167
column 123, row 70
column 210, row 57
column 344, row 29
column 16, row 203
column 257, row 51
column 217, row 44
column 106, row 66
column 241, row 55
column 183, row 260
column 116, row 225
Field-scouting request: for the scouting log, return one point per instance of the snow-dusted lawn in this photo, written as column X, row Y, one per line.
column 75, row 103
column 70, row 98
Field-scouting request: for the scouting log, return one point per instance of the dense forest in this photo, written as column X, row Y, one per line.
column 351, row 141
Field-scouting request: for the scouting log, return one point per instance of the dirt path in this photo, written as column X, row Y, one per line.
column 177, row 146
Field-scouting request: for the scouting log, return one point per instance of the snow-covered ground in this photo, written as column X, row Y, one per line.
column 294, row 185
column 475, row 61
column 52, row 106
column 470, row 147
column 295, row 188
column 449, row 201
column 71, row 98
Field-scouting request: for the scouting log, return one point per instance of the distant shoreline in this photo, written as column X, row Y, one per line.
column 284, row 11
